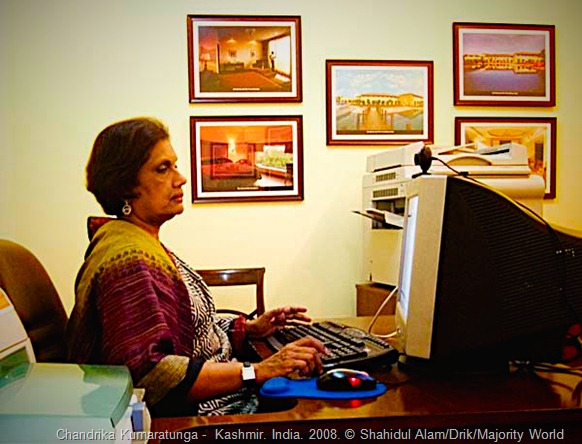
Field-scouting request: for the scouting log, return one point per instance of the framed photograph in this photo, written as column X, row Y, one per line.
column 537, row 134
column 244, row 58
column 379, row 102
column 504, row 65
column 246, row 159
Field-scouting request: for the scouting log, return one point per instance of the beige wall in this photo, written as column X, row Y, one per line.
column 70, row 67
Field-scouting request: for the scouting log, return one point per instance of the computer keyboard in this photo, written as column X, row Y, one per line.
column 348, row 346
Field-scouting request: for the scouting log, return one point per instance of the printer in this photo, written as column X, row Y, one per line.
column 504, row 167
column 44, row 402
column 15, row 345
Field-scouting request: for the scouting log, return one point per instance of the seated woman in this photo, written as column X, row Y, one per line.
column 139, row 305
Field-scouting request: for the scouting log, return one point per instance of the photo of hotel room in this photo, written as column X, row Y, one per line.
column 250, row 158
column 245, row 59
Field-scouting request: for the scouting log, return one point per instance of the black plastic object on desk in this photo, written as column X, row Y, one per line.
column 348, row 346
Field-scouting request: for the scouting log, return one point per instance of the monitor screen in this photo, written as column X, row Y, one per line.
column 407, row 248
column 483, row 281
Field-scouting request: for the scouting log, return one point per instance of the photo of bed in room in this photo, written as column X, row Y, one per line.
column 246, row 158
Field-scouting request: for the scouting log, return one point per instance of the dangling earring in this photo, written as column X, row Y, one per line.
column 126, row 210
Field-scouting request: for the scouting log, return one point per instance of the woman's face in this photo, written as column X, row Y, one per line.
column 159, row 195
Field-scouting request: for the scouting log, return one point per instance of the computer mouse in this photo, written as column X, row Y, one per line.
column 345, row 379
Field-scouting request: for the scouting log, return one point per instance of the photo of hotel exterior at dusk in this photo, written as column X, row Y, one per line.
column 504, row 65
column 507, row 74
column 520, row 62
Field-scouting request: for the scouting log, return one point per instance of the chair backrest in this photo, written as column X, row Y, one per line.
column 238, row 276
column 94, row 223
column 35, row 300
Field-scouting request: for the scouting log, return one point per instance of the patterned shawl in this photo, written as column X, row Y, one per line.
column 132, row 308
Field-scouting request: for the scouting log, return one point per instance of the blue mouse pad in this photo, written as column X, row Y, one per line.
column 307, row 388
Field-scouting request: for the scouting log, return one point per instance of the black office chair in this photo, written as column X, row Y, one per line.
column 36, row 301
column 238, row 276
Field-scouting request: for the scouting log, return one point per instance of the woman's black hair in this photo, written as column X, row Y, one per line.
column 118, row 153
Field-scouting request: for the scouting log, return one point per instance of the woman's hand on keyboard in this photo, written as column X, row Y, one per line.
column 302, row 357
column 266, row 324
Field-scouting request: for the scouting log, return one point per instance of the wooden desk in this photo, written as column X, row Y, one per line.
column 417, row 405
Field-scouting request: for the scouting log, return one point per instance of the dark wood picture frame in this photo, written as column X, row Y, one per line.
column 246, row 158
column 244, row 58
column 538, row 134
column 379, row 102
column 504, row 64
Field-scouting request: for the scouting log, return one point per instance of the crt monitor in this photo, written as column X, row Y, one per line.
column 483, row 281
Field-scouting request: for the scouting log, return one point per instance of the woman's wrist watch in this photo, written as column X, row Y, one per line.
column 248, row 375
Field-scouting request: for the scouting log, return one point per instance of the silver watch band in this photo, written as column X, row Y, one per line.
column 248, row 375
